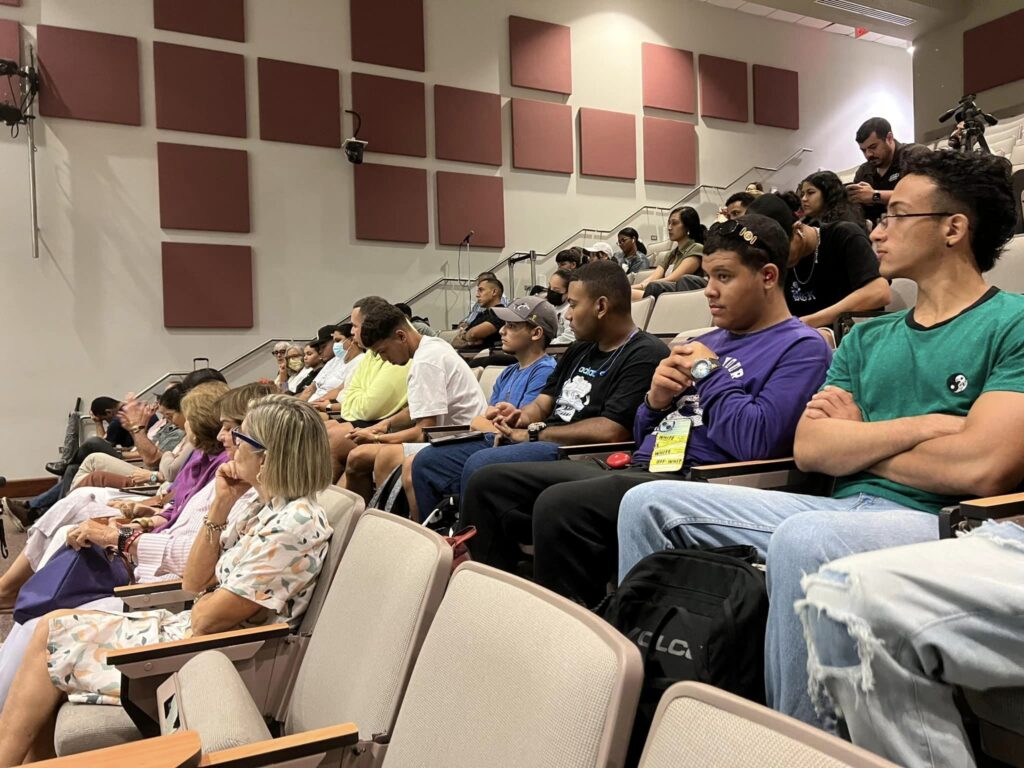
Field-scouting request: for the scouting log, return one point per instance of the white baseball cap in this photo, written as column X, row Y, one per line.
column 601, row 246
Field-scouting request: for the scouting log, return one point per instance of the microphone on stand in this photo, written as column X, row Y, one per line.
column 468, row 237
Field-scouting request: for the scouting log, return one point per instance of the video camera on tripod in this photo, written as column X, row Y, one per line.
column 969, row 133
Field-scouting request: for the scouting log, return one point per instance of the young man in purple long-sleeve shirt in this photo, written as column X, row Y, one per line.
column 760, row 367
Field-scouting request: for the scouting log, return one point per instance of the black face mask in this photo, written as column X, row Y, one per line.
column 555, row 298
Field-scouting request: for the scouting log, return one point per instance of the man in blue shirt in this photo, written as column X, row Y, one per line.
column 436, row 471
column 735, row 393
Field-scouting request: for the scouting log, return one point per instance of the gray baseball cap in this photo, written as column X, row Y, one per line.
column 530, row 309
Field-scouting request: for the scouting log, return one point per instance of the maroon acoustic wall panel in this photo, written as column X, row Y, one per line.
column 88, row 75
column 391, row 203
column 670, row 151
column 467, row 125
column 203, row 188
column 210, row 18
column 992, row 53
column 542, row 136
column 194, row 279
column 467, row 202
column 10, row 2
column 723, row 88
column 315, row 92
column 199, row 90
column 668, row 78
column 388, row 32
column 776, row 97
column 541, row 55
column 394, row 114
column 607, row 143
column 10, row 49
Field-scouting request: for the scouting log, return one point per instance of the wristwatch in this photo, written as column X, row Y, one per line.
column 534, row 430
column 137, row 428
column 701, row 369
column 123, row 534
column 876, row 197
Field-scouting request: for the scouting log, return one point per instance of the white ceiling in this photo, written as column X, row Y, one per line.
column 927, row 15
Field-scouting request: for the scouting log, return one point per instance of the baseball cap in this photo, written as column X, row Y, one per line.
column 530, row 309
column 324, row 335
column 601, row 246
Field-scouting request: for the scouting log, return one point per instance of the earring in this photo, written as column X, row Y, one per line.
column 259, row 476
column 949, row 244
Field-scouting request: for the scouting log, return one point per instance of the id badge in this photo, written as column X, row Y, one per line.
column 670, row 447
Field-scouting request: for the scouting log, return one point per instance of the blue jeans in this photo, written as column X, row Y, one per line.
column 796, row 534
column 444, row 470
column 47, row 498
column 893, row 633
column 437, row 471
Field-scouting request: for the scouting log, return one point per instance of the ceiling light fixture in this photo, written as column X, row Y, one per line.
column 866, row 10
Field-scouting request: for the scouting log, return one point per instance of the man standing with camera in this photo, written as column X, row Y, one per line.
column 884, row 158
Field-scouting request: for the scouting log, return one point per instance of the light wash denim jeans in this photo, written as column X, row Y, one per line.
column 796, row 534
column 891, row 633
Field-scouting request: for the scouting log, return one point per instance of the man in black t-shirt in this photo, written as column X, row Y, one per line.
column 591, row 397
column 875, row 180
column 832, row 269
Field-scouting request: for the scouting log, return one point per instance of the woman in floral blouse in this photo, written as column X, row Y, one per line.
column 261, row 570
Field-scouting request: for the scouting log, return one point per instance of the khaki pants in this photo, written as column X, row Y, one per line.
column 96, row 462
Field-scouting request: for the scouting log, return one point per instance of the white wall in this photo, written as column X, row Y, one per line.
column 939, row 71
column 86, row 318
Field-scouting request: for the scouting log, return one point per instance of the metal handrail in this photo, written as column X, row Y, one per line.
column 534, row 256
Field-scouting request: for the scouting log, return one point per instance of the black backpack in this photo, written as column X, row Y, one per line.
column 695, row 615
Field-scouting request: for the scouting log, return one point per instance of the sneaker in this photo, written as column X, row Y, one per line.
column 21, row 514
column 57, row 468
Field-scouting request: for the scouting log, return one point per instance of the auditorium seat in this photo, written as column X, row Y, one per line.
column 696, row 724
column 509, row 674
column 904, row 294
column 83, row 727
column 488, row 378
column 693, row 333
column 382, row 601
column 642, row 311
column 1008, row 273
column 681, row 309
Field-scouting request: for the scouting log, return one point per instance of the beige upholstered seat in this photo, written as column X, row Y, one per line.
column 83, row 727
column 513, row 675
column 489, row 378
column 697, row 725
column 380, row 604
column 674, row 312
column 642, row 311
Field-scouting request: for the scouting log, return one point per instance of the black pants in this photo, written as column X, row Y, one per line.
column 685, row 283
column 86, row 449
column 568, row 510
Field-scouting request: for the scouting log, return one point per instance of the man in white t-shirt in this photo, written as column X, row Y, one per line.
column 331, row 381
column 442, row 392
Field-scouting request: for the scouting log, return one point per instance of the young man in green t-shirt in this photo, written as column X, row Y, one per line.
column 920, row 409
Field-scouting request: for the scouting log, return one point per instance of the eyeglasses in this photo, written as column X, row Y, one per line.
column 255, row 444
column 277, row 352
column 733, row 228
column 883, row 220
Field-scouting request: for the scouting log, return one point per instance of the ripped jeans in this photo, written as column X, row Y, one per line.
column 891, row 633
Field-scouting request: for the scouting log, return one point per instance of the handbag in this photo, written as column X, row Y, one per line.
column 71, row 579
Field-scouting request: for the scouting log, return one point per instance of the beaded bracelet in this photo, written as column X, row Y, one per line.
column 212, row 528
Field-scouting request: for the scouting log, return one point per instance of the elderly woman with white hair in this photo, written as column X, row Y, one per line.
column 261, row 569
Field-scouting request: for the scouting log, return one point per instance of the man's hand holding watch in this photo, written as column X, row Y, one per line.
column 687, row 364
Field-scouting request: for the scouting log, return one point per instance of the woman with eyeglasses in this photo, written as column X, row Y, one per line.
column 259, row 569
column 291, row 369
column 633, row 253
column 155, row 554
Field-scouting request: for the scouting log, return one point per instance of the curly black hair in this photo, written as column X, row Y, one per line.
column 380, row 320
column 978, row 186
column 837, row 205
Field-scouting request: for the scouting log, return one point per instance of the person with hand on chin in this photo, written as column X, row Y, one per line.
column 260, row 569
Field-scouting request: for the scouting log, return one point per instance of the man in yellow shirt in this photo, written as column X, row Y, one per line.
column 377, row 390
